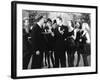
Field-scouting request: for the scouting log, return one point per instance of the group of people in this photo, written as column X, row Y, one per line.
column 48, row 42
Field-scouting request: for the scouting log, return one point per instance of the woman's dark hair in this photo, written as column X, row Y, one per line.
column 54, row 21
column 49, row 20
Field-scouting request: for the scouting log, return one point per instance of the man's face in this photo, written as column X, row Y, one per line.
column 58, row 21
column 43, row 20
column 69, row 24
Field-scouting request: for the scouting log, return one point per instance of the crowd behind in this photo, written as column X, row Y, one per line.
column 48, row 41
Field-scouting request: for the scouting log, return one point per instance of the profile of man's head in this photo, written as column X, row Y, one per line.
column 59, row 20
column 41, row 19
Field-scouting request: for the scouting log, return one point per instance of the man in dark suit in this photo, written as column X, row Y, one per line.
column 59, row 45
column 38, row 43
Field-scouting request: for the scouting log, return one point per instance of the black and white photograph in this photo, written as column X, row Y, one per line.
column 54, row 39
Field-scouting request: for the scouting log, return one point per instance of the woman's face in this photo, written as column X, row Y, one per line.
column 26, row 23
column 77, row 25
column 49, row 24
column 54, row 25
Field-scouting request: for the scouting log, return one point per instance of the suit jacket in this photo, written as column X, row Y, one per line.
column 59, row 41
column 38, row 41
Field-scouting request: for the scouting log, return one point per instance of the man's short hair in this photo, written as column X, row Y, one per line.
column 39, row 18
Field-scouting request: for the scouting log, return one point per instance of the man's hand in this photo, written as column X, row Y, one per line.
column 37, row 52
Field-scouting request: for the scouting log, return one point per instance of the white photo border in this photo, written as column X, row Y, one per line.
column 54, row 71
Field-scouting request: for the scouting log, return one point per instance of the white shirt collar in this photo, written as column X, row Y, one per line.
column 39, row 24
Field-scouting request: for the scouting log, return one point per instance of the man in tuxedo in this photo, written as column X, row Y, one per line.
column 59, row 45
column 38, row 43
